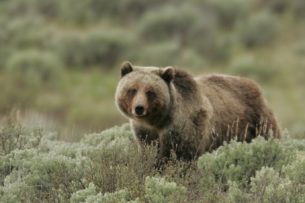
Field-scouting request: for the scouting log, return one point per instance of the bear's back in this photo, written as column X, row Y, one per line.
column 237, row 104
column 229, row 88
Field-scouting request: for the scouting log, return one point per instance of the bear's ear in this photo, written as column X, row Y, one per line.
column 168, row 74
column 126, row 68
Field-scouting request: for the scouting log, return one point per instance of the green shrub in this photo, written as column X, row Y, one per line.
column 221, row 50
column 16, row 8
column 95, row 48
column 235, row 194
column 296, row 172
column 69, row 47
column 203, row 35
column 92, row 11
column 160, row 54
column 55, row 177
column 268, row 186
column 121, row 196
column 229, row 12
column 191, row 59
column 22, row 33
column 27, row 32
column 49, row 9
column 103, row 8
column 298, row 8
column 118, row 168
column 238, row 162
column 186, row 26
column 107, row 137
column 260, row 29
column 136, row 8
column 16, row 192
column 75, row 14
column 157, row 190
column 19, row 8
column 298, row 143
column 4, row 50
column 277, row 6
column 82, row 13
column 46, row 177
column 169, row 23
column 105, row 47
column 12, row 165
column 35, row 65
column 109, row 167
column 249, row 67
column 16, row 137
column 81, row 195
column 52, row 170
column 118, row 196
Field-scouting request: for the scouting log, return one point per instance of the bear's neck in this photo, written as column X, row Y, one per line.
column 164, row 119
column 184, row 85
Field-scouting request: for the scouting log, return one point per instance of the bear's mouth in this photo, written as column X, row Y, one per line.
column 140, row 116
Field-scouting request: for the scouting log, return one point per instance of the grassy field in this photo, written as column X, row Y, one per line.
column 59, row 67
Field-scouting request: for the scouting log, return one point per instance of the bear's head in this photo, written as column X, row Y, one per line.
column 144, row 93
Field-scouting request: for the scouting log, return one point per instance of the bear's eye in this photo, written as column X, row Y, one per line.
column 131, row 92
column 151, row 94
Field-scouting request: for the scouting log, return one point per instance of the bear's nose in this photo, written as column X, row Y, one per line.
column 139, row 110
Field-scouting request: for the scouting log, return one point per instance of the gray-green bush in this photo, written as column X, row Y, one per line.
column 260, row 29
column 97, row 48
column 266, row 186
column 166, row 53
column 251, row 68
column 239, row 162
column 184, row 24
column 165, row 24
column 27, row 32
column 35, row 65
column 229, row 12
column 15, row 137
column 157, row 190
column 108, row 167
column 298, row 8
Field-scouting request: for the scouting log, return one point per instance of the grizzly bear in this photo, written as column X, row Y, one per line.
column 191, row 115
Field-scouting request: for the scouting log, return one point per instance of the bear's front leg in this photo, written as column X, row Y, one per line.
column 167, row 144
column 144, row 135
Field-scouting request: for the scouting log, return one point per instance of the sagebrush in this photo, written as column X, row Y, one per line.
column 108, row 167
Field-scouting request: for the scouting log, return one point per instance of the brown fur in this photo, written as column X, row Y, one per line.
column 190, row 116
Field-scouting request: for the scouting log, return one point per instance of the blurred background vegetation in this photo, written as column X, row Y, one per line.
column 59, row 60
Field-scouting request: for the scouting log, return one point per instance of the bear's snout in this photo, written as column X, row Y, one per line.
column 139, row 107
column 139, row 110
